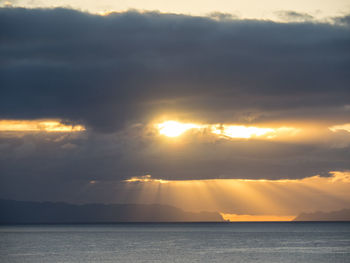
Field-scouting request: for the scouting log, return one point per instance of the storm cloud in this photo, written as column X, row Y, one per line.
column 107, row 71
column 116, row 73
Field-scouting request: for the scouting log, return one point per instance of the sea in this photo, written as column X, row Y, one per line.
column 327, row 242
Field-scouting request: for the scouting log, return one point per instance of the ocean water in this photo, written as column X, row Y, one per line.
column 187, row 242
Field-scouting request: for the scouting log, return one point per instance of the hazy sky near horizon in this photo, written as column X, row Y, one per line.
column 252, row 9
column 91, row 100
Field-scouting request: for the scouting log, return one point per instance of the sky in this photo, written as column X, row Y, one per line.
column 243, row 105
column 252, row 9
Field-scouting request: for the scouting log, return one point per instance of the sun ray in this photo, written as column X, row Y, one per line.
column 257, row 200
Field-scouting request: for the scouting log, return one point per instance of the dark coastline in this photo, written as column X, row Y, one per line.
column 24, row 212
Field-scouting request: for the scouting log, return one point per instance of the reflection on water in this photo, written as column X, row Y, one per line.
column 192, row 242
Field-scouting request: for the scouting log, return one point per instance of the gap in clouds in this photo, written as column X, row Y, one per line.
column 239, row 199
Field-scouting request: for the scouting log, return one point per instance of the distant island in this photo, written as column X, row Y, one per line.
column 340, row 215
column 24, row 212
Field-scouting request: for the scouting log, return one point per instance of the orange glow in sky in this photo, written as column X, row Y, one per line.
column 174, row 129
column 144, row 179
column 255, row 218
column 240, row 131
column 38, row 126
column 343, row 127
column 247, row 200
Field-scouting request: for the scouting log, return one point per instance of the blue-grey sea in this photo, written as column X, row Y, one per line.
column 187, row 242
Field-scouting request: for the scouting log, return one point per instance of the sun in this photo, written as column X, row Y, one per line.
column 174, row 128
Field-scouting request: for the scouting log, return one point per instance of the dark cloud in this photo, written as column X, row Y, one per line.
column 112, row 72
column 54, row 167
column 107, row 71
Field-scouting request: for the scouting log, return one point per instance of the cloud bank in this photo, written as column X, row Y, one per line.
column 115, row 74
column 107, row 71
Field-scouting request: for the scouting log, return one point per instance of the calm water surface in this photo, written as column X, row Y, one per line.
column 212, row 242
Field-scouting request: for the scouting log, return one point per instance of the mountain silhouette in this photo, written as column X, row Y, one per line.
column 340, row 215
column 25, row 212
